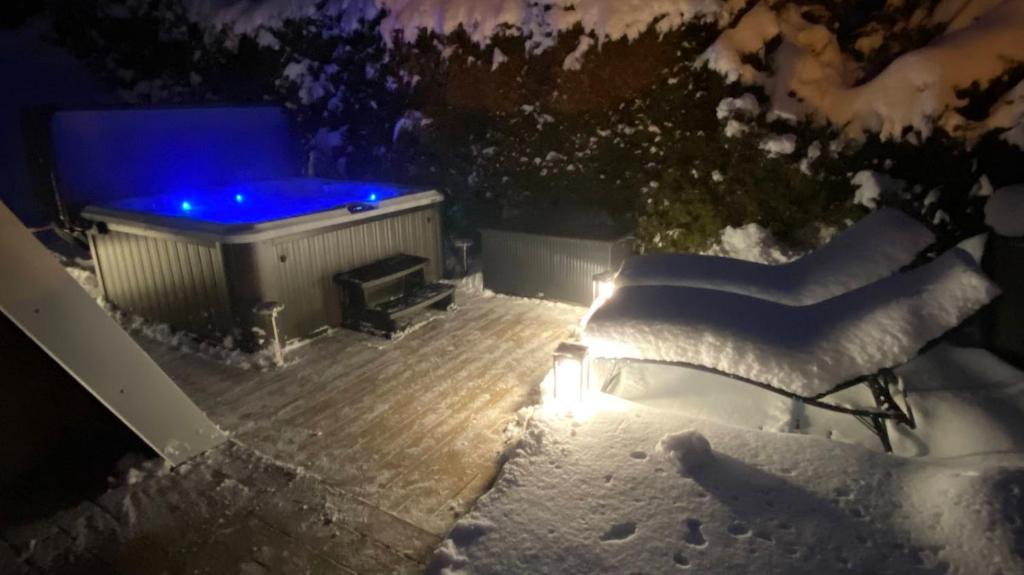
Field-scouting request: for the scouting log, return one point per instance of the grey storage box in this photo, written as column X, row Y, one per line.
column 553, row 257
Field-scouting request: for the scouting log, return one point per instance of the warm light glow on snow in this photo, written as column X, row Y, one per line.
column 604, row 289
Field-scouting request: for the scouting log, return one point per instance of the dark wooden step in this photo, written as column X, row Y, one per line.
column 382, row 271
column 422, row 297
column 391, row 316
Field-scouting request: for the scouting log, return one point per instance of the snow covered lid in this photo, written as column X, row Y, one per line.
column 1004, row 211
column 806, row 350
column 876, row 246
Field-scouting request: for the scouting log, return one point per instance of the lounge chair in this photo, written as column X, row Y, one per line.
column 876, row 246
column 807, row 352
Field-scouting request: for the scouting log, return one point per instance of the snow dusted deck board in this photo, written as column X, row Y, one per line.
column 409, row 430
column 354, row 458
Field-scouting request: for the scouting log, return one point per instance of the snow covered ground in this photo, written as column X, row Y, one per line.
column 600, row 491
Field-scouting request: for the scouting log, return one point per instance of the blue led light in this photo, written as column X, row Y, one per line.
column 258, row 201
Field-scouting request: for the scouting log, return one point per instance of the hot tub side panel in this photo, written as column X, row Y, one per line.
column 298, row 270
column 167, row 279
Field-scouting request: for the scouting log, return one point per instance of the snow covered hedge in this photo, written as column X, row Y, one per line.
column 682, row 116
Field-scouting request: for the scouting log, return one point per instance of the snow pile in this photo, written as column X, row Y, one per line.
column 574, row 61
column 135, row 468
column 447, row 559
column 481, row 19
column 750, row 243
column 689, row 449
column 872, row 185
column 876, row 246
column 1006, row 114
column 990, row 511
column 917, row 91
column 966, row 401
column 590, row 499
column 955, row 14
column 746, row 105
column 1004, row 211
column 805, row 350
column 982, row 189
column 225, row 352
column 779, row 144
column 749, row 36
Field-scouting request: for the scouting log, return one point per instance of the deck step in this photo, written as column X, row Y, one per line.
column 425, row 296
column 382, row 271
column 390, row 317
column 380, row 297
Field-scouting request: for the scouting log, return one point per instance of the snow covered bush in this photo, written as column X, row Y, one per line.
column 506, row 104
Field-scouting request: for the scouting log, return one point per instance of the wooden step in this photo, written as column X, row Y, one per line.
column 382, row 271
column 422, row 297
column 387, row 318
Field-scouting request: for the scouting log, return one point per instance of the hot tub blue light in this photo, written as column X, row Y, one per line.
column 257, row 202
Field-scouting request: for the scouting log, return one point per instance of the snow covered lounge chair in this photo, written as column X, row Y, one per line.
column 876, row 246
column 804, row 352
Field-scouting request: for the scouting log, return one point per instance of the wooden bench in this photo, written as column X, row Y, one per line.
column 381, row 297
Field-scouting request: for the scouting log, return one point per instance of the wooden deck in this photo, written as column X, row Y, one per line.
column 356, row 457
column 409, row 430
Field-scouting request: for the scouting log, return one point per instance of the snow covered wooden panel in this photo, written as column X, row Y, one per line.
column 51, row 308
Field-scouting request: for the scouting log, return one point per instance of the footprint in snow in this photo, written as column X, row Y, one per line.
column 681, row 561
column 619, row 531
column 640, row 455
column 693, row 534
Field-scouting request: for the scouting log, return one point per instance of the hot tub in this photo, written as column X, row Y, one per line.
column 200, row 258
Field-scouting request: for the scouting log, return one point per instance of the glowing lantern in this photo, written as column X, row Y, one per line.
column 571, row 379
